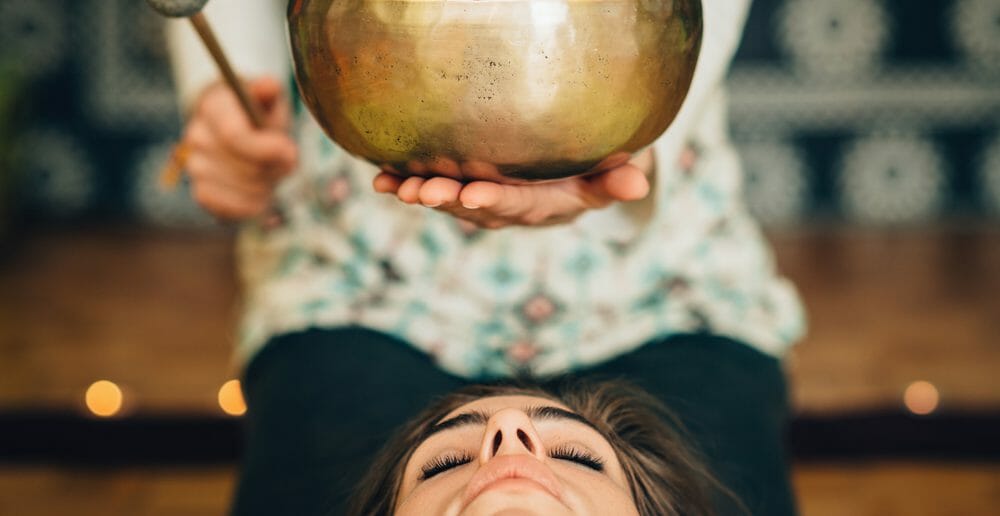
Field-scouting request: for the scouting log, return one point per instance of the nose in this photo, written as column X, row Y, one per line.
column 510, row 432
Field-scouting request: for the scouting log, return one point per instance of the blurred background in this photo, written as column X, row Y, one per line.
column 870, row 131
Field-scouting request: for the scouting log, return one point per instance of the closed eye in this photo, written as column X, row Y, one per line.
column 444, row 463
column 579, row 456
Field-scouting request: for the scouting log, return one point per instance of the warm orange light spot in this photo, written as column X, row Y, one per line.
column 104, row 398
column 921, row 398
column 231, row 398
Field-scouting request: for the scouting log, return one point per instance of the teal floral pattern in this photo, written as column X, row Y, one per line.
column 519, row 301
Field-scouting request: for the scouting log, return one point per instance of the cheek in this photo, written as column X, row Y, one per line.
column 435, row 496
column 595, row 495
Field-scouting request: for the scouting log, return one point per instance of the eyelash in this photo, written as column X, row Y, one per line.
column 568, row 453
column 444, row 463
column 579, row 456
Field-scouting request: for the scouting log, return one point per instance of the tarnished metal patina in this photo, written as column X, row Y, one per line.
column 503, row 90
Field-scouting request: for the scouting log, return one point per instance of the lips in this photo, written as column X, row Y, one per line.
column 508, row 467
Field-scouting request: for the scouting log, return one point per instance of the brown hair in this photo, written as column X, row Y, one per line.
column 664, row 474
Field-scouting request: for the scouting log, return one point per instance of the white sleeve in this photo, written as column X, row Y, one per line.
column 723, row 22
column 252, row 33
column 723, row 29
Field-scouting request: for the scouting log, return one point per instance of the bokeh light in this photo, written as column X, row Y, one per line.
column 231, row 398
column 921, row 398
column 104, row 398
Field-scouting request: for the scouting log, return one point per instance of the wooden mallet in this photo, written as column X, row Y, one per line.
column 192, row 10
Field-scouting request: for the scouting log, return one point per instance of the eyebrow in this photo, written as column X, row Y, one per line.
column 479, row 417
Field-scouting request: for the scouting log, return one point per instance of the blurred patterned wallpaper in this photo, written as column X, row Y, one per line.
column 872, row 112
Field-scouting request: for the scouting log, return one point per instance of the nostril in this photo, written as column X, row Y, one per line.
column 497, row 439
column 524, row 439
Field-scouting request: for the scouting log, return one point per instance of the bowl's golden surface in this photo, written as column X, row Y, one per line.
column 505, row 90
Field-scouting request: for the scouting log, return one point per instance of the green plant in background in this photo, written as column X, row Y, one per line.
column 10, row 109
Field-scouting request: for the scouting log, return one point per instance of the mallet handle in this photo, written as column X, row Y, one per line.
column 204, row 30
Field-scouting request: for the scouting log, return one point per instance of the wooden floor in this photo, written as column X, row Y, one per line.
column 154, row 312
column 887, row 309
column 131, row 492
column 898, row 489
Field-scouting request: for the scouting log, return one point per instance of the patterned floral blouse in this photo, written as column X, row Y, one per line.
column 540, row 301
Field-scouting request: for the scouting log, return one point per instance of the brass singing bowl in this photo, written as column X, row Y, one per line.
column 502, row 90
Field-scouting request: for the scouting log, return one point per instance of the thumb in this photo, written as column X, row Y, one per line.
column 625, row 183
column 266, row 90
column 269, row 94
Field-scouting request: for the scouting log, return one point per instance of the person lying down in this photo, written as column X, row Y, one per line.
column 605, row 448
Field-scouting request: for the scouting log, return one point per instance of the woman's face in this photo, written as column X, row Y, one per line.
column 514, row 455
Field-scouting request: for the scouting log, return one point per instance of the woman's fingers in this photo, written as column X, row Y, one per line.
column 483, row 194
column 498, row 205
column 223, row 117
column 409, row 190
column 228, row 203
column 234, row 166
column 266, row 90
column 386, row 183
column 625, row 183
column 495, row 205
column 208, row 157
column 246, row 177
column 270, row 95
column 433, row 193
column 265, row 146
column 440, row 192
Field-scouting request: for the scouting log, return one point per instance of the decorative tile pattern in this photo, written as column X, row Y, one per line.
column 842, row 39
column 34, row 35
column 59, row 178
column 892, row 179
column 989, row 174
column 126, row 81
column 813, row 78
column 776, row 181
column 817, row 79
column 976, row 30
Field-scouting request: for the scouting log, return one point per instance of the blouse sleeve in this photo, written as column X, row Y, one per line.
column 253, row 34
column 724, row 21
column 723, row 30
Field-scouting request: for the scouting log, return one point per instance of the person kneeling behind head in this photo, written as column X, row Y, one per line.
column 587, row 449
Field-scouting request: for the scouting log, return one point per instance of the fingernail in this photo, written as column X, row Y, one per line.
column 470, row 206
column 434, row 205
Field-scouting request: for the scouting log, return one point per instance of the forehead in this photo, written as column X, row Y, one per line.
column 495, row 404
